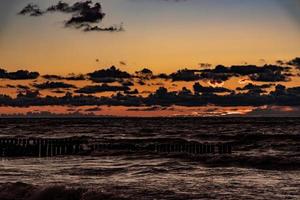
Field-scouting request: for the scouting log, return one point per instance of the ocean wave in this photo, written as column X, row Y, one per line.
column 23, row 191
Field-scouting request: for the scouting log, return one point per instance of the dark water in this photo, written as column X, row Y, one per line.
column 265, row 163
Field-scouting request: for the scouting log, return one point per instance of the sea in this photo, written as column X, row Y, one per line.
column 264, row 163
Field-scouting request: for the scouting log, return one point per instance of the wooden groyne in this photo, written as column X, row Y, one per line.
column 35, row 147
column 184, row 147
column 49, row 147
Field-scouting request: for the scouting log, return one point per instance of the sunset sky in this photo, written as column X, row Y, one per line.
column 161, row 35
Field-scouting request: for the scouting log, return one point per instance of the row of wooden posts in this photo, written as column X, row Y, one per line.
column 35, row 147
column 39, row 147
column 186, row 147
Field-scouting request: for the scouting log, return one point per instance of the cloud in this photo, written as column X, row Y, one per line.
column 114, row 28
column 84, row 13
column 109, row 74
column 198, row 88
column 71, row 77
column 18, row 75
column 127, row 83
column 266, row 73
column 21, row 87
column 31, row 10
column 251, row 86
column 148, row 109
column 53, row 85
column 295, row 62
column 185, row 75
column 131, row 92
column 125, row 94
column 94, row 109
column 92, row 89
column 281, row 96
column 270, row 76
column 144, row 74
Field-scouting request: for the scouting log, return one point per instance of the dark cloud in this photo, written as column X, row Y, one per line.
column 28, row 94
column 31, row 10
column 144, row 74
column 71, row 77
column 21, row 87
column 266, row 73
column 281, row 96
column 148, row 109
column 9, row 86
column 294, row 90
column 53, row 85
column 52, row 77
column 58, row 91
column 84, row 13
column 198, row 88
column 295, row 62
column 254, row 95
column 111, row 73
column 185, row 75
column 131, row 92
column 92, row 89
column 18, row 75
column 271, row 76
column 114, row 28
column 161, row 76
column 127, row 83
column 105, row 80
column 251, row 86
column 94, row 109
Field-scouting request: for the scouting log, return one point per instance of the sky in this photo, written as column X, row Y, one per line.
column 161, row 35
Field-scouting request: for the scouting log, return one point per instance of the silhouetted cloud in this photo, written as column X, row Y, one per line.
column 18, row 75
column 185, row 75
column 127, row 83
column 84, row 13
column 125, row 94
column 131, row 92
column 92, row 89
column 113, row 28
column 281, row 96
column 19, row 87
column 295, row 62
column 108, row 75
column 270, row 76
column 148, row 109
column 251, row 86
column 52, row 77
column 198, row 88
column 71, row 77
column 266, row 73
column 31, row 10
column 94, row 109
column 144, row 74
column 53, row 85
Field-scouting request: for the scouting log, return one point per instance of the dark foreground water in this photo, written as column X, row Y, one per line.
column 265, row 163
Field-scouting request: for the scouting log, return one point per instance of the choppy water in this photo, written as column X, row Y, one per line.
column 265, row 163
